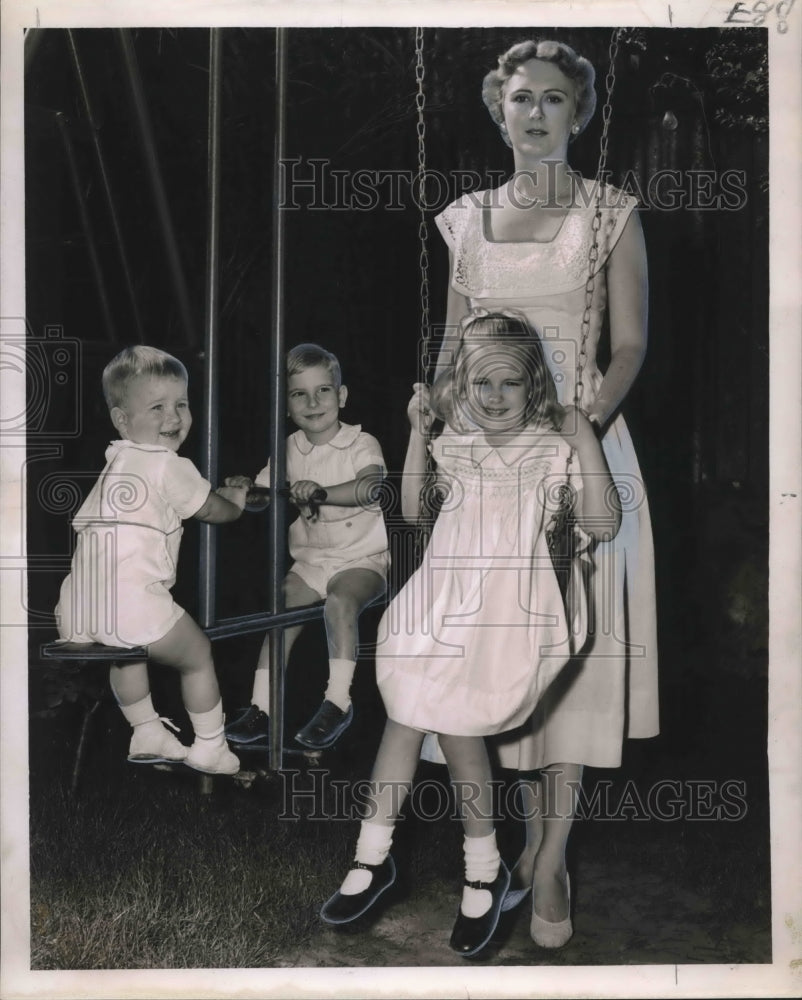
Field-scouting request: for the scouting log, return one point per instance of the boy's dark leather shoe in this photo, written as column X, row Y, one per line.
column 327, row 726
column 471, row 934
column 252, row 725
column 340, row 909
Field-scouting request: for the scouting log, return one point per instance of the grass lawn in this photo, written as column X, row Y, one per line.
column 139, row 870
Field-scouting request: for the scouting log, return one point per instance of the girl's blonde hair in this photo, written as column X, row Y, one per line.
column 136, row 362
column 510, row 333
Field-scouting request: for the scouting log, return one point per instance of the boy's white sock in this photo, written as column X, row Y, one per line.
column 261, row 689
column 372, row 848
column 341, row 673
column 482, row 862
column 209, row 725
column 140, row 712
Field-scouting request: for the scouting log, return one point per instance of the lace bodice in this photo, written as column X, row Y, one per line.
column 529, row 462
column 485, row 268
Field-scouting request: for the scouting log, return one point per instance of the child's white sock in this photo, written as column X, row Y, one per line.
column 372, row 848
column 209, row 725
column 140, row 712
column 482, row 862
column 261, row 689
column 341, row 673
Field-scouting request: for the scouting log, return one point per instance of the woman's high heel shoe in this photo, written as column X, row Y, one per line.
column 550, row 935
column 514, row 897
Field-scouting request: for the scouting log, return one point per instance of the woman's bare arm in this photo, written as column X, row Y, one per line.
column 628, row 292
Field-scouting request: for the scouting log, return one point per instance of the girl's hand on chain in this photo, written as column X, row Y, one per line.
column 576, row 427
column 418, row 409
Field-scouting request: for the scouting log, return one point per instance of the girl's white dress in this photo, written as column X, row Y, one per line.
column 609, row 691
column 476, row 635
column 126, row 553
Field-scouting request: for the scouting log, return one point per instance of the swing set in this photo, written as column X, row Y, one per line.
column 275, row 618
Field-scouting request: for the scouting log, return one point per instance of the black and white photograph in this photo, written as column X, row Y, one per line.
column 401, row 455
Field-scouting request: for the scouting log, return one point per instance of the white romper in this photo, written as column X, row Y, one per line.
column 126, row 554
column 340, row 537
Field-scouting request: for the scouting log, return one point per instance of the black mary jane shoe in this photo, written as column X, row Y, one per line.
column 342, row 909
column 471, row 934
column 326, row 727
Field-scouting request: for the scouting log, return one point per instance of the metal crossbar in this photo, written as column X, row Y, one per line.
column 97, row 653
column 228, row 628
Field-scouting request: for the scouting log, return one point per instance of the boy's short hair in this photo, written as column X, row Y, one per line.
column 310, row 356
column 136, row 362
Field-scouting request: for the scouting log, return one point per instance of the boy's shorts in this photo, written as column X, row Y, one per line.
column 318, row 576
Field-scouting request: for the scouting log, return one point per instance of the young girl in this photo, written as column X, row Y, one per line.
column 126, row 555
column 478, row 632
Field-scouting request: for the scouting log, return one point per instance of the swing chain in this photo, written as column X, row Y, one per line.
column 427, row 492
column 607, row 110
column 593, row 254
column 423, row 227
column 560, row 530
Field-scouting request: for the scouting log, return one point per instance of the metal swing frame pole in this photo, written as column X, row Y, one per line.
column 83, row 85
column 154, row 173
column 277, row 395
column 207, row 596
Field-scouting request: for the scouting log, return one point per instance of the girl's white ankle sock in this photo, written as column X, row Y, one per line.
column 140, row 712
column 482, row 862
column 261, row 689
column 372, row 848
column 209, row 725
column 341, row 673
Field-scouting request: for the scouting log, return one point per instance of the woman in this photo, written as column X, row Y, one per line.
column 527, row 245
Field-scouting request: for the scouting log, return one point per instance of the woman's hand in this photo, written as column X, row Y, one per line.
column 245, row 481
column 418, row 410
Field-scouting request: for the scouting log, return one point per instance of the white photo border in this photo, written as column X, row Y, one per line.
column 783, row 977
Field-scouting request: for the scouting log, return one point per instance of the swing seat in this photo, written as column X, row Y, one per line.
column 91, row 651
column 86, row 653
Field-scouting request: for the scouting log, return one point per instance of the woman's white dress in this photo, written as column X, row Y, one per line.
column 609, row 690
